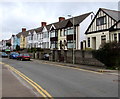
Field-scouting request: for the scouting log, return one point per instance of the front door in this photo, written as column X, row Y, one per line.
column 94, row 42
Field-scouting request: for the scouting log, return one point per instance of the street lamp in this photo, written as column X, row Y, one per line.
column 73, row 38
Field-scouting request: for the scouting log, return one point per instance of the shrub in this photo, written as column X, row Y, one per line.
column 109, row 54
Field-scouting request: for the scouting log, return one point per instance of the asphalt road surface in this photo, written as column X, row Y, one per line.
column 66, row 82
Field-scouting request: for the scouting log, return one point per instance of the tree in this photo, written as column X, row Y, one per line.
column 17, row 47
column 109, row 54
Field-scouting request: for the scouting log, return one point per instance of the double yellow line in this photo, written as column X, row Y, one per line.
column 40, row 90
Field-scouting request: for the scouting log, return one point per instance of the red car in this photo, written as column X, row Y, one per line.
column 23, row 57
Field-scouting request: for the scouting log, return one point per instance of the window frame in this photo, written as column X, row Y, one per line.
column 101, row 20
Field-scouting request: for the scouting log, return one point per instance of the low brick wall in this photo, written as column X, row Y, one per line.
column 81, row 57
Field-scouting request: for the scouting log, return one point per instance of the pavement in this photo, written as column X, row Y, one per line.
column 13, row 87
column 86, row 67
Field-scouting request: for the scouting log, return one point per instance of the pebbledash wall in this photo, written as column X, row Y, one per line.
column 81, row 57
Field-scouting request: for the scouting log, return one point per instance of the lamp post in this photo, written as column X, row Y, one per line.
column 73, row 38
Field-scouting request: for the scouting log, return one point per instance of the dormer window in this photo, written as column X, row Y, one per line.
column 101, row 20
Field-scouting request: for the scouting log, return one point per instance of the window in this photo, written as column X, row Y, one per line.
column 45, row 35
column 101, row 21
column 70, row 44
column 70, row 31
column 31, row 37
column 37, row 36
column 115, row 37
column 41, row 35
column 65, row 32
column 88, row 42
column 54, row 44
column 103, row 39
column 61, row 33
column 47, row 46
column 53, row 34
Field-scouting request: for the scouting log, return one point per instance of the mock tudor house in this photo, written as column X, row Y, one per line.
column 115, row 32
column 103, row 28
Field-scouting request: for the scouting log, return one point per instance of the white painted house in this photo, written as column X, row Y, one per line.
column 3, row 45
column 62, row 34
column 46, row 36
column 32, row 39
column 98, row 31
column 39, row 37
column 52, row 36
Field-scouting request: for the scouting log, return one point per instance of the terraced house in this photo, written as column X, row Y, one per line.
column 62, row 32
column 14, row 42
column 31, row 39
column 39, row 37
column 104, row 28
column 23, row 38
column 71, row 33
column 59, row 35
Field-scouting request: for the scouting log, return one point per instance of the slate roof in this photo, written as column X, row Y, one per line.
column 48, row 26
column 18, row 35
column 22, row 33
column 114, row 14
column 117, row 28
column 37, row 30
column 31, row 31
column 25, row 33
column 77, row 21
column 58, row 25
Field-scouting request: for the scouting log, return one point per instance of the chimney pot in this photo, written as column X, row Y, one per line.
column 43, row 23
column 61, row 19
column 23, row 29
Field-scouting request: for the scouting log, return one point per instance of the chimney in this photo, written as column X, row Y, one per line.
column 61, row 19
column 23, row 29
column 43, row 23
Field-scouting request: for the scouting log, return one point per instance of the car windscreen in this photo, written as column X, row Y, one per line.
column 26, row 55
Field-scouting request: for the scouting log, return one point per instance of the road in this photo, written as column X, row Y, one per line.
column 67, row 82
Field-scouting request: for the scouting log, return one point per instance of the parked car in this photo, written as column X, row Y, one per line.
column 3, row 54
column 23, row 57
column 0, row 53
column 46, row 57
column 13, row 55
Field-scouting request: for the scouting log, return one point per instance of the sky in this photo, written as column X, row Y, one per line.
column 15, row 15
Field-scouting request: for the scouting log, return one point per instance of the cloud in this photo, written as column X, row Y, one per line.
column 15, row 15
